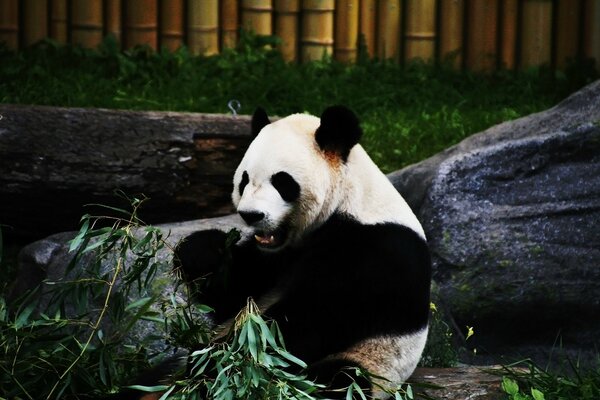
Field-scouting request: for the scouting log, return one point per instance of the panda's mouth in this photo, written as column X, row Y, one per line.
column 270, row 240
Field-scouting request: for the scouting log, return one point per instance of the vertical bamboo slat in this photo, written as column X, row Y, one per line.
column 113, row 18
column 203, row 27
column 420, row 29
column 141, row 23
column 591, row 45
column 286, row 27
column 35, row 21
column 509, row 34
column 594, row 50
column 9, row 23
column 537, row 30
column 346, row 30
column 317, row 28
column 567, row 14
column 256, row 16
column 368, row 13
column 229, row 23
column 86, row 22
column 388, row 34
column 171, row 24
column 451, row 31
column 58, row 21
column 482, row 27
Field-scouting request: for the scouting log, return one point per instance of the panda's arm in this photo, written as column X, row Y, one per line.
column 222, row 276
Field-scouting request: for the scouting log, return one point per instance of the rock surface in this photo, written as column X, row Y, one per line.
column 512, row 216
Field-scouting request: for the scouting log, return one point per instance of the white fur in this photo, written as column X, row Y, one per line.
column 393, row 358
column 357, row 188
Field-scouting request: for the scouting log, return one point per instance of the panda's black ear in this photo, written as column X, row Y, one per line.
column 339, row 131
column 260, row 119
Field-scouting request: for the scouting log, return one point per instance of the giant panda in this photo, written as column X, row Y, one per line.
column 336, row 256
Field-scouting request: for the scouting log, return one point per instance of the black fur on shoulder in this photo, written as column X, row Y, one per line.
column 260, row 119
column 339, row 131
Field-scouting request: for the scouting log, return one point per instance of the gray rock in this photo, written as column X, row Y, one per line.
column 512, row 216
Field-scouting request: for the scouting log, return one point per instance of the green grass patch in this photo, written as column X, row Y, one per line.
column 408, row 112
column 526, row 380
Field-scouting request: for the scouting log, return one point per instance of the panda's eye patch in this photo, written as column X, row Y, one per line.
column 243, row 182
column 288, row 188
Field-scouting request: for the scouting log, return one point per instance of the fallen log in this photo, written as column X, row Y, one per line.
column 54, row 160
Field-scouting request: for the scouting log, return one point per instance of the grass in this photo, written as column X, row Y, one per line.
column 526, row 380
column 408, row 112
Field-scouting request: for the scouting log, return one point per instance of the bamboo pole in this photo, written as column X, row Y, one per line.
column 509, row 34
column 203, row 27
column 388, row 35
column 594, row 14
column 113, row 18
column 368, row 29
column 591, row 45
column 317, row 28
column 141, row 23
column 35, row 21
column 567, row 14
column 229, row 23
column 171, row 24
column 346, row 30
column 420, row 29
column 256, row 16
column 451, row 31
column 58, row 21
column 9, row 23
column 537, row 29
column 481, row 41
column 86, row 22
column 286, row 27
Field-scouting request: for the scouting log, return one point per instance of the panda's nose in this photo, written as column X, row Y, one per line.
column 251, row 216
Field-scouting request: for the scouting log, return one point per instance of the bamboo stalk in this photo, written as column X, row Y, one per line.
column 9, row 23
column 229, row 23
column 451, row 31
column 481, row 42
column 420, row 29
column 58, row 21
column 286, row 27
column 171, row 26
column 388, row 35
column 317, row 28
column 86, row 22
column 113, row 18
column 203, row 27
column 35, row 21
column 141, row 27
column 509, row 34
column 567, row 14
column 591, row 45
column 256, row 16
column 368, row 32
column 346, row 30
column 537, row 29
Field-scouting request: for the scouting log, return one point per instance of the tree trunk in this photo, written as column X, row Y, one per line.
column 53, row 161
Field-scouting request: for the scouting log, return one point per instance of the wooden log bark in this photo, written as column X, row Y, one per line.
column 53, row 161
column 467, row 382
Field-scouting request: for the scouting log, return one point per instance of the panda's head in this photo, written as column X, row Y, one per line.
column 289, row 181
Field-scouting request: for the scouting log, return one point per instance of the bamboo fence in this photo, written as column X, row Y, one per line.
column 472, row 34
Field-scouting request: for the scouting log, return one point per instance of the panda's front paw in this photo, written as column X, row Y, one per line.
column 203, row 253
